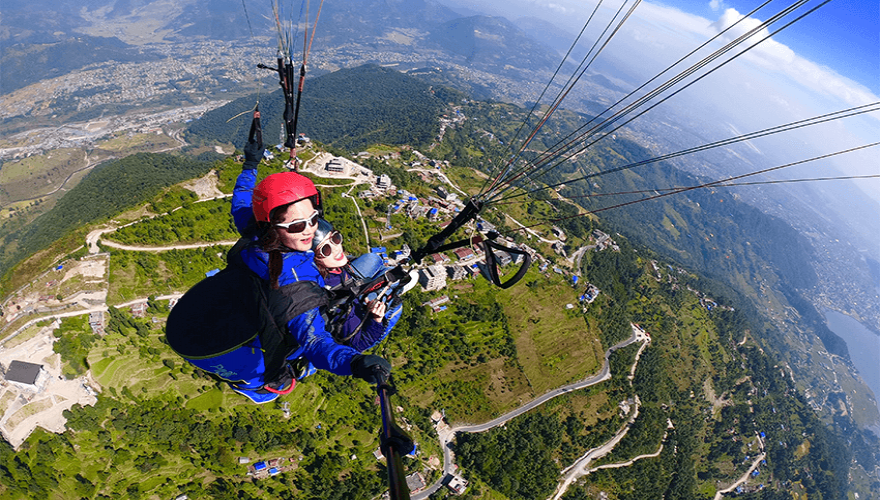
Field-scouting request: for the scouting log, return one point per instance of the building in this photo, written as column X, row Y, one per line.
column 440, row 258
column 559, row 248
column 139, row 310
column 456, row 484
column 437, row 301
column 26, row 375
column 590, row 293
column 96, row 322
column 503, row 258
column 335, row 166
column 383, row 182
column 415, row 482
column 463, row 253
column 456, row 273
column 517, row 258
column 433, row 278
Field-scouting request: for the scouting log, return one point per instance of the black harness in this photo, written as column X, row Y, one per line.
column 235, row 307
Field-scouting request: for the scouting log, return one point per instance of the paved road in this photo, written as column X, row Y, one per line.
column 447, row 435
column 579, row 468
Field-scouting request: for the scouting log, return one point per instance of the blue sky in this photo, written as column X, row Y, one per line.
column 843, row 34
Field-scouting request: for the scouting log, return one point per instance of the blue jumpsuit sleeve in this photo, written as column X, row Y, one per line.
column 242, row 194
column 372, row 333
column 320, row 349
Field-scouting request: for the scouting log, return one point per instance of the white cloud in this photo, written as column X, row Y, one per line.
column 772, row 56
column 716, row 5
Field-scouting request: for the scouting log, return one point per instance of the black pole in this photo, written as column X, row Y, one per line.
column 256, row 133
column 291, row 109
column 299, row 93
column 393, row 441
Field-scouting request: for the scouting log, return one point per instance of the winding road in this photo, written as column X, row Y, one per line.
column 447, row 434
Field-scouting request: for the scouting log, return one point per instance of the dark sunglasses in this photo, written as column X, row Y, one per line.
column 298, row 226
column 324, row 250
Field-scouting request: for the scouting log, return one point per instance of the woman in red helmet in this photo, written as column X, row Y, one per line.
column 280, row 216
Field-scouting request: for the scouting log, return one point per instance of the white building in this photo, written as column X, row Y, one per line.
column 433, row 278
column 457, row 484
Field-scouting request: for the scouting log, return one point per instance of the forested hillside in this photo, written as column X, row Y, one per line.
column 161, row 428
column 348, row 109
column 706, row 229
column 108, row 190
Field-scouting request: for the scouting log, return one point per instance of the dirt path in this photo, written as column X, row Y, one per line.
column 446, row 434
column 165, row 248
column 745, row 477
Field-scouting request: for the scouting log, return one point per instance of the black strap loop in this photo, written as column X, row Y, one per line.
column 492, row 267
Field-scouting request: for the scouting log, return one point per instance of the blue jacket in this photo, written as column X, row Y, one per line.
column 245, row 365
column 372, row 332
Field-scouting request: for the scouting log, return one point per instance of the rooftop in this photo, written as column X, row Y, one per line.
column 23, row 372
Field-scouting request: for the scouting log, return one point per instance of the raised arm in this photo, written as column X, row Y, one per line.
column 242, row 210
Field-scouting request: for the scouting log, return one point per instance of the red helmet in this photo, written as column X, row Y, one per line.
column 282, row 189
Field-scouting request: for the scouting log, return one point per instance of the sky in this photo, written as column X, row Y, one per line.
column 826, row 62
column 843, row 34
column 852, row 26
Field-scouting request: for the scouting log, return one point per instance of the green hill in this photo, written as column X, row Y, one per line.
column 348, row 109
column 108, row 190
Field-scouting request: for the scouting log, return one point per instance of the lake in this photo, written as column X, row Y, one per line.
column 863, row 346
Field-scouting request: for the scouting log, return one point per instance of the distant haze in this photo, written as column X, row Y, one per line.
column 771, row 85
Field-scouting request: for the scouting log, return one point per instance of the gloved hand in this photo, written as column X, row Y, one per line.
column 253, row 153
column 366, row 366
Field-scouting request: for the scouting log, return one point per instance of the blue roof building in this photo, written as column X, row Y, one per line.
column 259, row 466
